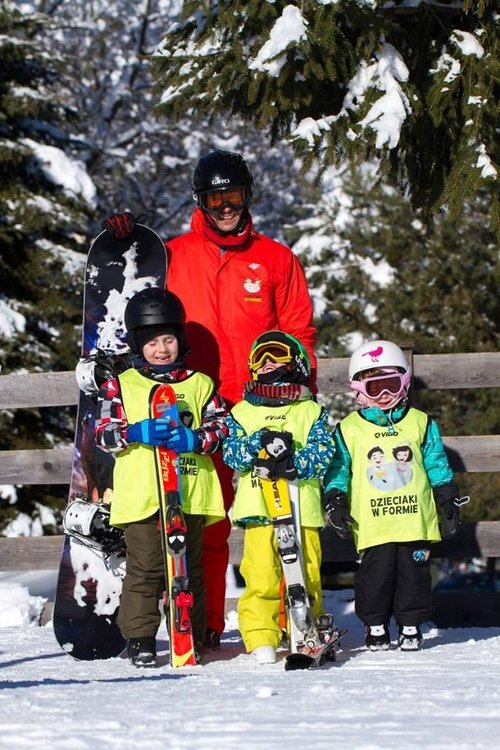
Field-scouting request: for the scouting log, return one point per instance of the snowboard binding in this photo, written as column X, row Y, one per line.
column 101, row 365
column 88, row 523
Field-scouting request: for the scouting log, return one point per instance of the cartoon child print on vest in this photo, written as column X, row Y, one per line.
column 389, row 475
column 403, row 456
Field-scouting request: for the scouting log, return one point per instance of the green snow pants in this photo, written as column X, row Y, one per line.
column 139, row 615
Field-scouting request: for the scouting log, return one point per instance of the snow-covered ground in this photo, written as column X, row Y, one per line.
column 446, row 696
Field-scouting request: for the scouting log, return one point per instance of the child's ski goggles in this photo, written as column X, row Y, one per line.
column 273, row 350
column 214, row 200
column 394, row 383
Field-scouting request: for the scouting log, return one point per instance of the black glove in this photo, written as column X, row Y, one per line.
column 337, row 512
column 270, row 468
column 120, row 226
column 448, row 501
column 278, row 463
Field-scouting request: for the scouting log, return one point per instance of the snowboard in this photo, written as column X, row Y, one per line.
column 90, row 579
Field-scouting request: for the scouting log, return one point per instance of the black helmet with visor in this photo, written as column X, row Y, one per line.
column 222, row 178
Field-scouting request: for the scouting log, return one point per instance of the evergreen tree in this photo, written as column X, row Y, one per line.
column 42, row 210
column 138, row 161
column 412, row 85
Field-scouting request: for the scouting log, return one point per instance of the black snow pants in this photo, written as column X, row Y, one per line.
column 394, row 579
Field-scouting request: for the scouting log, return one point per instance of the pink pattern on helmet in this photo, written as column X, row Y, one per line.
column 375, row 353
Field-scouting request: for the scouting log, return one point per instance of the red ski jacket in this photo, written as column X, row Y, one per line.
column 232, row 296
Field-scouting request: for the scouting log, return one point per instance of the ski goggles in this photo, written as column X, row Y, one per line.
column 273, row 350
column 393, row 383
column 235, row 198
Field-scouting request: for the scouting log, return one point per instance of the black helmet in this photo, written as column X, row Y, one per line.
column 151, row 312
column 221, row 170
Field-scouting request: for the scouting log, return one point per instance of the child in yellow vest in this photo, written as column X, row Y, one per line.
column 391, row 486
column 277, row 406
column 154, row 322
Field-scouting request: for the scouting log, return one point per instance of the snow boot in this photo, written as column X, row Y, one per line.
column 212, row 639
column 377, row 637
column 199, row 651
column 142, row 652
column 264, row 654
column 410, row 638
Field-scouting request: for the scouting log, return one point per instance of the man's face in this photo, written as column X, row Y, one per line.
column 227, row 219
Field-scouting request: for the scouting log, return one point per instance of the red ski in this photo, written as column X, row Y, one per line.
column 178, row 598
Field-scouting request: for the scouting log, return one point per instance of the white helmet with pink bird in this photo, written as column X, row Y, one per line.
column 379, row 355
column 376, row 354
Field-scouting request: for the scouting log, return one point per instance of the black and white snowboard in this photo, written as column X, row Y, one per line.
column 91, row 573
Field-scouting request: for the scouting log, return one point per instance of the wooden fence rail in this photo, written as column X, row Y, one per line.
column 479, row 539
column 474, row 453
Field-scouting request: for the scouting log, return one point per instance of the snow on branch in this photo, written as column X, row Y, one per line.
column 387, row 115
column 59, row 169
column 290, row 28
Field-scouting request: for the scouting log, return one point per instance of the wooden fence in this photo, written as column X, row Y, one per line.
column 473, row 453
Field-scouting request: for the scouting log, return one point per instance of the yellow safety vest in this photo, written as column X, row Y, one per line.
column 297, row 418
column 391, row 498
column 136, row 488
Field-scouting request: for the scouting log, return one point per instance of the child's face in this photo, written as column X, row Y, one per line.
column 162, row 350
column 269, row 366
column 389, row 378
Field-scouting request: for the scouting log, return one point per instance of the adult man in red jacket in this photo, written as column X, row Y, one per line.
column 234, row 284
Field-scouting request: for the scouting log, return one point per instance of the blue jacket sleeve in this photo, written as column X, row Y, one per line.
column 338, row 476
column 436, row 462
column 239, row 450
column 315, row 457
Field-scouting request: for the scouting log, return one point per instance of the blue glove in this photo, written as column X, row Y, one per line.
column 182, row 440
column 150, row 431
